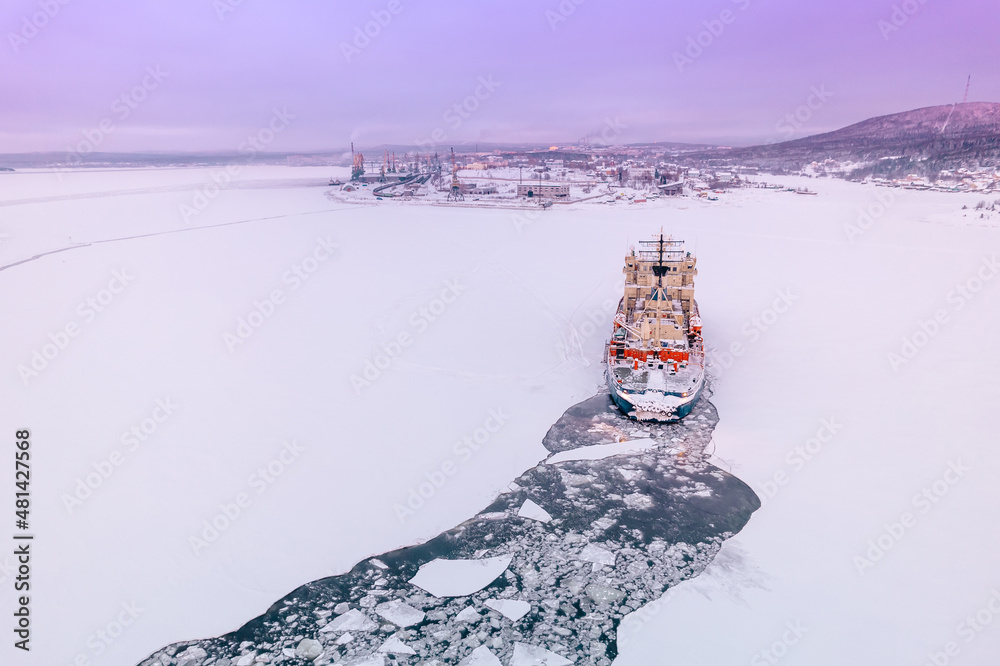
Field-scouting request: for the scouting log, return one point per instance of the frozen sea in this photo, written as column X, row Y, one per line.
column 855, row 380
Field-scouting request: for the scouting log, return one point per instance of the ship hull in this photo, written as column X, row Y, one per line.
column 626, row 402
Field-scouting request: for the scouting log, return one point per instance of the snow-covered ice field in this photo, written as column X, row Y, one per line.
column 480, row 321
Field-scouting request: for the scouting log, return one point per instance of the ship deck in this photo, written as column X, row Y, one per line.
column 654, row 379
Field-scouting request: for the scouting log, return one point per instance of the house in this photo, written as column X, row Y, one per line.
column 672, row 189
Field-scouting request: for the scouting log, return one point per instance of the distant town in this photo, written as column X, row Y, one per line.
column 605, row 174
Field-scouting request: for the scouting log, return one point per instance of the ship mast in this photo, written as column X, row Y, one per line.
column 659, row 273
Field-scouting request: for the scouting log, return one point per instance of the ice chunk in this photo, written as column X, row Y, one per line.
column 629, row 474
column 604, row 523
column 246, row 659
column 493, row 515
column 193, row 656
column 468, row 614
column 601, row 451
column 352, row 620
column 373, row 660
column 308, row 649
column 399, row 613
column 459, row 578
column 345, row 638
column 396, row 646
column 575, row 480
column 639, row 501
column 531, row 510
column 533, row 655
column 597, row 555
column 604, row 595
column 481, row 656
column 510, row 608
column 379, row 563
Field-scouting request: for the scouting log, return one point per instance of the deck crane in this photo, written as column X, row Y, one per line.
column 456, row 188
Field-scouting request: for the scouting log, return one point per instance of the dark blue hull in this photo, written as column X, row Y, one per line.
column 629, row 409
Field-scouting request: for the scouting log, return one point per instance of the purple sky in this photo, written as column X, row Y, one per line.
column 230, row 63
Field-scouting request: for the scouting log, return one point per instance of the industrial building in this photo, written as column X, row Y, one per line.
column 544, row 191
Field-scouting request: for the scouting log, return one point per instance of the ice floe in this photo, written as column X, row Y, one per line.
column 481, row 656
column 468, row 614
column 639, row 501
column 352, row 620
column 399, row 613
column 629, row 474
column 531, row 510
column 512, row 609
column 459, row 578
column 604, row 595
column 597, row 555
column 374, row 660
column 533, row 655
column 601, row 451
column 191, row 656
column 395, row 646
column 308, row 649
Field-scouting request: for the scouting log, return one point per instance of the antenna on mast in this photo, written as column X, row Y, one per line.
column 659, row 273
column 967, row 84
